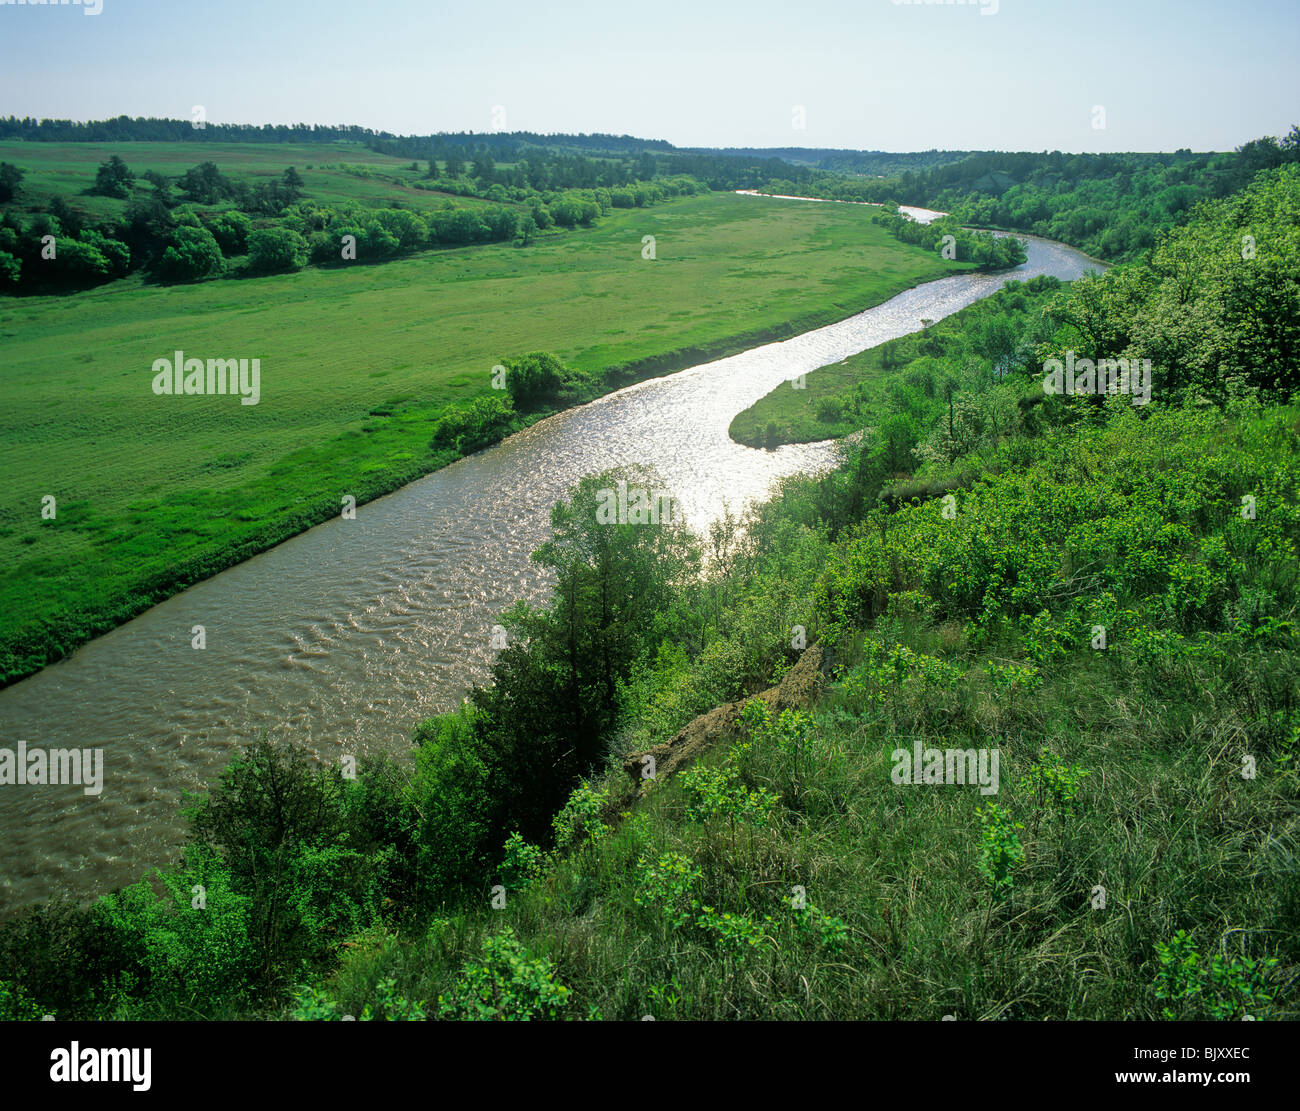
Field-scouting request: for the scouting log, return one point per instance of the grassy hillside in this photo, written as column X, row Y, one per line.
column 154, row 492
column 1135, row 862
column 332, row 172
column 793, row 877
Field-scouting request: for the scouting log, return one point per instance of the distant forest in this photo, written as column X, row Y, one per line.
column 1114, row 206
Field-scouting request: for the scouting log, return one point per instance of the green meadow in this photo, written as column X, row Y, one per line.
column 153, row 493
column 332, row 173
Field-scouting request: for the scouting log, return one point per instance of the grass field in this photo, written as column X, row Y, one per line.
column 838, row 399
column 68, row 170
column 154, row 493
column 794, row 412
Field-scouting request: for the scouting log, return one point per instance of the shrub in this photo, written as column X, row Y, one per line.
column 16, row 1005
column 1000, row 850
column 468, row 428
column 192, row 254
column 1194, row 988
column 506, row 983
column 579, row 820
column 735, row 934
column 194, row 943
column 1052, row 784
column 534, row 378
column 231, row 231
column 521, row 863
column 116, row 253
column 273, row 814
column 453, row 775
column 80, row 263
column 668, row 885
column 276, row 250
column 829, row 410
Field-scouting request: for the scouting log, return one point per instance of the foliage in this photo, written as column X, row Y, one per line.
column 1192, row 987
column 192, row 254
column 579, row 820
column 113, row 178
column 275, row 250
column 520, row 864
column 1000, row 849
column 667, row 886
column 1053, row 785
column 505, row 983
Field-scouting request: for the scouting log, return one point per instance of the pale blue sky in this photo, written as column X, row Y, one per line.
column 869, row 74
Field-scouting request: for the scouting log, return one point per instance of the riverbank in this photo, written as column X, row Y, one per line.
column 345, row 636
column 152, row 494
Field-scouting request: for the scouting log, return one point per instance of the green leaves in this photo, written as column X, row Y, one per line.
column 1053, row 785
column 505, row 984
column 668, row 886
column 521, row 863
column 1000, row 849
column 579, row 821
column 1194, row 988
column 717, row 791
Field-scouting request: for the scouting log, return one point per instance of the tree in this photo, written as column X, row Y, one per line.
column 11, row 178
column 292, row 182
column 148, row 225
column 117, row 254
column 407, row 230
column 274, row 250
column 502, row 223
column 192, row 254
column 456, row 225
column 534, row 378
column 162, row 186
column 71, row 219
column 553, row 702
column 113, row 179
column 231, row 230
column 205, row 184
column 79, row 263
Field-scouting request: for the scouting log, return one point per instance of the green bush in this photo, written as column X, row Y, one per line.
column 521, row 863
column 16, row 1005
column 231, row 230
column 192, row 254
column 505, row 983
column 276, row 250
column 194, row 946
column 454, row 774
column 1193, row 988
column 579, row 820
column 469, row 428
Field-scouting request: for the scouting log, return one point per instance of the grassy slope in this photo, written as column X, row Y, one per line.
column 156, row 492
column 68, row 170
column 1164, row 819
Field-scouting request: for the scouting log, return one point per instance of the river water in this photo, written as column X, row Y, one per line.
column 346, row 636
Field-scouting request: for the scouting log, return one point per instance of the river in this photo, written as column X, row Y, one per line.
column 347, row 635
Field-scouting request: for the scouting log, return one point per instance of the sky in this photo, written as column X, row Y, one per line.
column 1104, row 75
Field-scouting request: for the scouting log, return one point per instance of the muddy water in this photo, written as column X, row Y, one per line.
column 347, row 635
